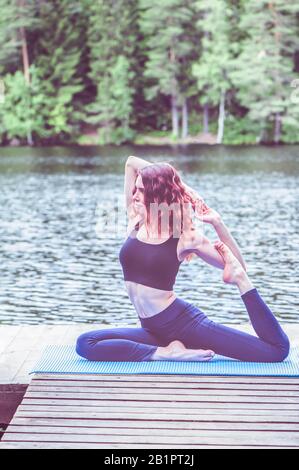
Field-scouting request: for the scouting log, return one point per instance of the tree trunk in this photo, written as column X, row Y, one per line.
column 277, row 128
column 221, row 118
column 174, row 98
column 206, row 118
column 175, row 116
column 25, row 55
column 184, row 119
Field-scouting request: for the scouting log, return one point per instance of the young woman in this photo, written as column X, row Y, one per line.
column 171, row 327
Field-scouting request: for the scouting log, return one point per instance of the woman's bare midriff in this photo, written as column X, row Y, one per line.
column 148, row 301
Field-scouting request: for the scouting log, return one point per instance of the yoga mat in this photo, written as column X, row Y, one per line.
column 63, row 359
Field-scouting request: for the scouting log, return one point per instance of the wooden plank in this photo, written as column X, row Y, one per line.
column 166, row 391
column 168, row 378
column 160, row 397
column 204, row 415
column 206, row 437
column 31, row 402
column 157, row 431
column 162, row 385
column 194, row 425
column 7, row 335
column 132, row 409
column 86, row 445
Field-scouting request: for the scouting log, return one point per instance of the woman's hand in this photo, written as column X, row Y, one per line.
column 202, row 211
column 206, row 214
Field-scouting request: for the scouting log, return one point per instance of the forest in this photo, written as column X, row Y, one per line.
column 116, row 71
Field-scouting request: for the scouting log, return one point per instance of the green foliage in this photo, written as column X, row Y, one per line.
column 58, row 56
column 113, row 105
column 21, row 111
column 240, row 131
column 114, row 69
column 112, row 38
column 263, row 70
column 12, row 17
column 167, row 27
column 213, row 68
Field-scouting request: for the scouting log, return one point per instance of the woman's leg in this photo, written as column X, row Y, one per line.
column 118, row 344
column 271, row 345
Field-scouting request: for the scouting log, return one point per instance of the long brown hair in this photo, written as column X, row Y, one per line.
column 163, row 186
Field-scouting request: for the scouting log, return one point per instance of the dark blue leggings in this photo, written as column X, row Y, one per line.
column 183, row 321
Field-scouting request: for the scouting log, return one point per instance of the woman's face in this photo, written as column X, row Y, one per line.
column 138, row 197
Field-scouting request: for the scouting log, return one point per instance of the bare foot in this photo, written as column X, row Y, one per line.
column 233, row 270
column 176, row 351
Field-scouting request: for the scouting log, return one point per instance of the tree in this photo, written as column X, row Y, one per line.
column 112, row 34
column 172, row 44
column 20, row 112
column 212, row 70
column 263, row 71
column 17, row 16
column 58, row 55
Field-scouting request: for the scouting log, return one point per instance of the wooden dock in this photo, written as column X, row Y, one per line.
column 142, row 411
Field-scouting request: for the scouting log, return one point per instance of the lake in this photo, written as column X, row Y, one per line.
column 56, row 268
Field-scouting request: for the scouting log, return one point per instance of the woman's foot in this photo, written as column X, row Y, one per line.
column 233, row 269
column 176, row 351
column 233, row 272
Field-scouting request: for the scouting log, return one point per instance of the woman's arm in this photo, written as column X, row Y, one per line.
column 210, row 216
column 196, row 242
column 227, row 238
column 207, row 252
column 137, row 163
column 133, row 164
column 193, row 193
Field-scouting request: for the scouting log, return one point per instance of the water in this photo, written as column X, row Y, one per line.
column 55, row 269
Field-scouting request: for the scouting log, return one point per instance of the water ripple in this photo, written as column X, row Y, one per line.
column 56, row 270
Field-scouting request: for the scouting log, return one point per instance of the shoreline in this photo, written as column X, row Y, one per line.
column 151, row 142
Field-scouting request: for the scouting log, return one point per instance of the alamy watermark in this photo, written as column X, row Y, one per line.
column 112, row 219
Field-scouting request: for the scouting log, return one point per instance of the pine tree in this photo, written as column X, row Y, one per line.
column 112, row 33
column 10, row 44
column 173, row 45
column 58, row 55
column 18, row 17
column 213, row 68
column 263, row 71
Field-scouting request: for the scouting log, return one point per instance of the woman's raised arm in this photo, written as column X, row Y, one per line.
column 227, row 238
column 133, row 164
column 210, row 216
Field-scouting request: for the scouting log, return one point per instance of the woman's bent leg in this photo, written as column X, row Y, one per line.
column 272, row 345
column 263, row 320
column 117, row 344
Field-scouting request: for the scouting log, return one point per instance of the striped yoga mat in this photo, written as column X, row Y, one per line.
column 64, row 360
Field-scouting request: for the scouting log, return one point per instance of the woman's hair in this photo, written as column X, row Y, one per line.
column 163, row 185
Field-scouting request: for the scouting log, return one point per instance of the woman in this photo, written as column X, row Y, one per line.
column 171, row 327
